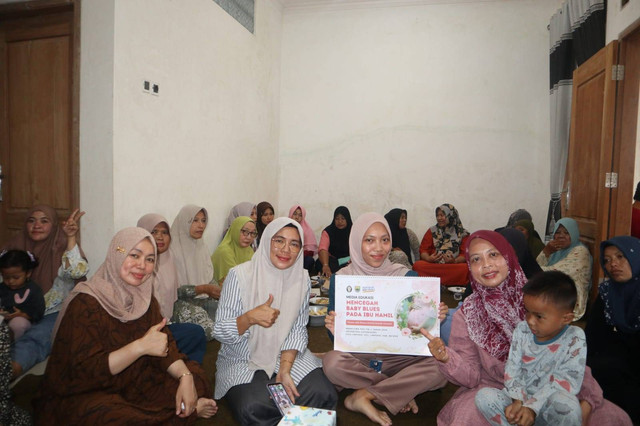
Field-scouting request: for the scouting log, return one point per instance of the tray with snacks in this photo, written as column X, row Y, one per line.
column 323, row 301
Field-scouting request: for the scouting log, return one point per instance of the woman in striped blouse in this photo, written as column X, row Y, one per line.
column 261, row 323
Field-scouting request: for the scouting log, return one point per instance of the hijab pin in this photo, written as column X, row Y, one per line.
column 120, row 249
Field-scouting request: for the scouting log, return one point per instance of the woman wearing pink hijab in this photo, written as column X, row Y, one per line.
column 299, row 214
column 402, row 377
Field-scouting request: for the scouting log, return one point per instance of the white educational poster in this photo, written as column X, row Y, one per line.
column 384, row 314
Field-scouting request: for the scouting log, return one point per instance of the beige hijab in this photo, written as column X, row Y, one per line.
column 257, row 279
column 191, row 256
column 122, row 301
column 165, row 286
column 358, row 266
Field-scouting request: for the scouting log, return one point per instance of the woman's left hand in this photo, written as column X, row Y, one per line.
column 187, row 395
column 443, row 310
column 286, row 380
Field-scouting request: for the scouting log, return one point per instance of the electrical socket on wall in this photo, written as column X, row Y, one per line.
column 151, row 87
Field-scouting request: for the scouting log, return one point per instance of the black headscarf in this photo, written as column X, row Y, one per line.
column 339, row 238
column 622, row 300
column 399, row 237
column 519, row 244
column 261, row 208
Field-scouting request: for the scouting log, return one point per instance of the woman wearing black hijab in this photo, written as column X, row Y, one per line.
column 333, row 250
column 519, row 243
column 405, row 241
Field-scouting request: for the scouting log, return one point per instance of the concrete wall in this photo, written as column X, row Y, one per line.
column 415, row 106
column 208, row 138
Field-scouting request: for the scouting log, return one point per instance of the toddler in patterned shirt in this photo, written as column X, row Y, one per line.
column 546, row 362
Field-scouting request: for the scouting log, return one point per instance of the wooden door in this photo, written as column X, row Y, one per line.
column 591, row 149
column 37, row 135
column 624, row 153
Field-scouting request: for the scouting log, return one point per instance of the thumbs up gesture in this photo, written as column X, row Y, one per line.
column 155, row 342
column 264, row 315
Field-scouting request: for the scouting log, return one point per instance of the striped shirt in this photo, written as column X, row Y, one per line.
column 232, row 366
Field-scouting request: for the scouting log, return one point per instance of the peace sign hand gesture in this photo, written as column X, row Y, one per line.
column 70, row 226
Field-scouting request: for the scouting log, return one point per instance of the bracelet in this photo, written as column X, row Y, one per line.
column 286, row 360
column 325, row 264
column 185, row 374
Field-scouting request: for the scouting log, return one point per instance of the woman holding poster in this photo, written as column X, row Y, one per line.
column 481, row 333
column 401, row 377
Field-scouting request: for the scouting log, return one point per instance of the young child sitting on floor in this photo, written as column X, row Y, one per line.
column 546, row 362
column 21, row 300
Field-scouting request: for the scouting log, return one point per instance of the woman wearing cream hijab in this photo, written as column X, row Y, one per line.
column 197, row 294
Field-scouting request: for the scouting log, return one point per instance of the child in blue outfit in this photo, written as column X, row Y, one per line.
column 546, row 362
column 21, row 300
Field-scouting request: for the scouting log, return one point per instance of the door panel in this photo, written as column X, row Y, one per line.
column 591, row 148
column 37, row 152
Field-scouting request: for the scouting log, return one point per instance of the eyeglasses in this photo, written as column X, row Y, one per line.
column 248, row 233
column 279, row 243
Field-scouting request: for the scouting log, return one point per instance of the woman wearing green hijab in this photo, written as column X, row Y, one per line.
column 235, row 247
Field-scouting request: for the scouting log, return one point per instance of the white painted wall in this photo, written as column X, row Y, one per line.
column 417, row 106
column 96, row 127
column 620, row 18
column 209, row 138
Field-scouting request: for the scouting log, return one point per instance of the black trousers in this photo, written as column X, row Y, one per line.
column 251, row 403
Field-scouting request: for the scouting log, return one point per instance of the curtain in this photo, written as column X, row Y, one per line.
column 576, row 32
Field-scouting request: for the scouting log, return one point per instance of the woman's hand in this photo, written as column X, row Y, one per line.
column 285, row 378
column 70, row 226
column 186, row 396
column 551, row 247
column 436, row 346
column 449, row 258
column 155, row 342
column 443, row 310
column 433, row 258
column 264, row 315
column 326, row 271
column 211, row 290
column 330, row 321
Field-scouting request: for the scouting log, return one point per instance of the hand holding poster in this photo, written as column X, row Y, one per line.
column 384, row 314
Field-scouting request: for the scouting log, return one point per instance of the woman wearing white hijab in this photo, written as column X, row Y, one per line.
column 261, row 323
column 197, row 292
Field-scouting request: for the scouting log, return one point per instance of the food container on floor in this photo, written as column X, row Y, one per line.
column 316, row 315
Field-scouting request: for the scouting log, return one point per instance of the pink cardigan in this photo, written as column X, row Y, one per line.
column 472, row 368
